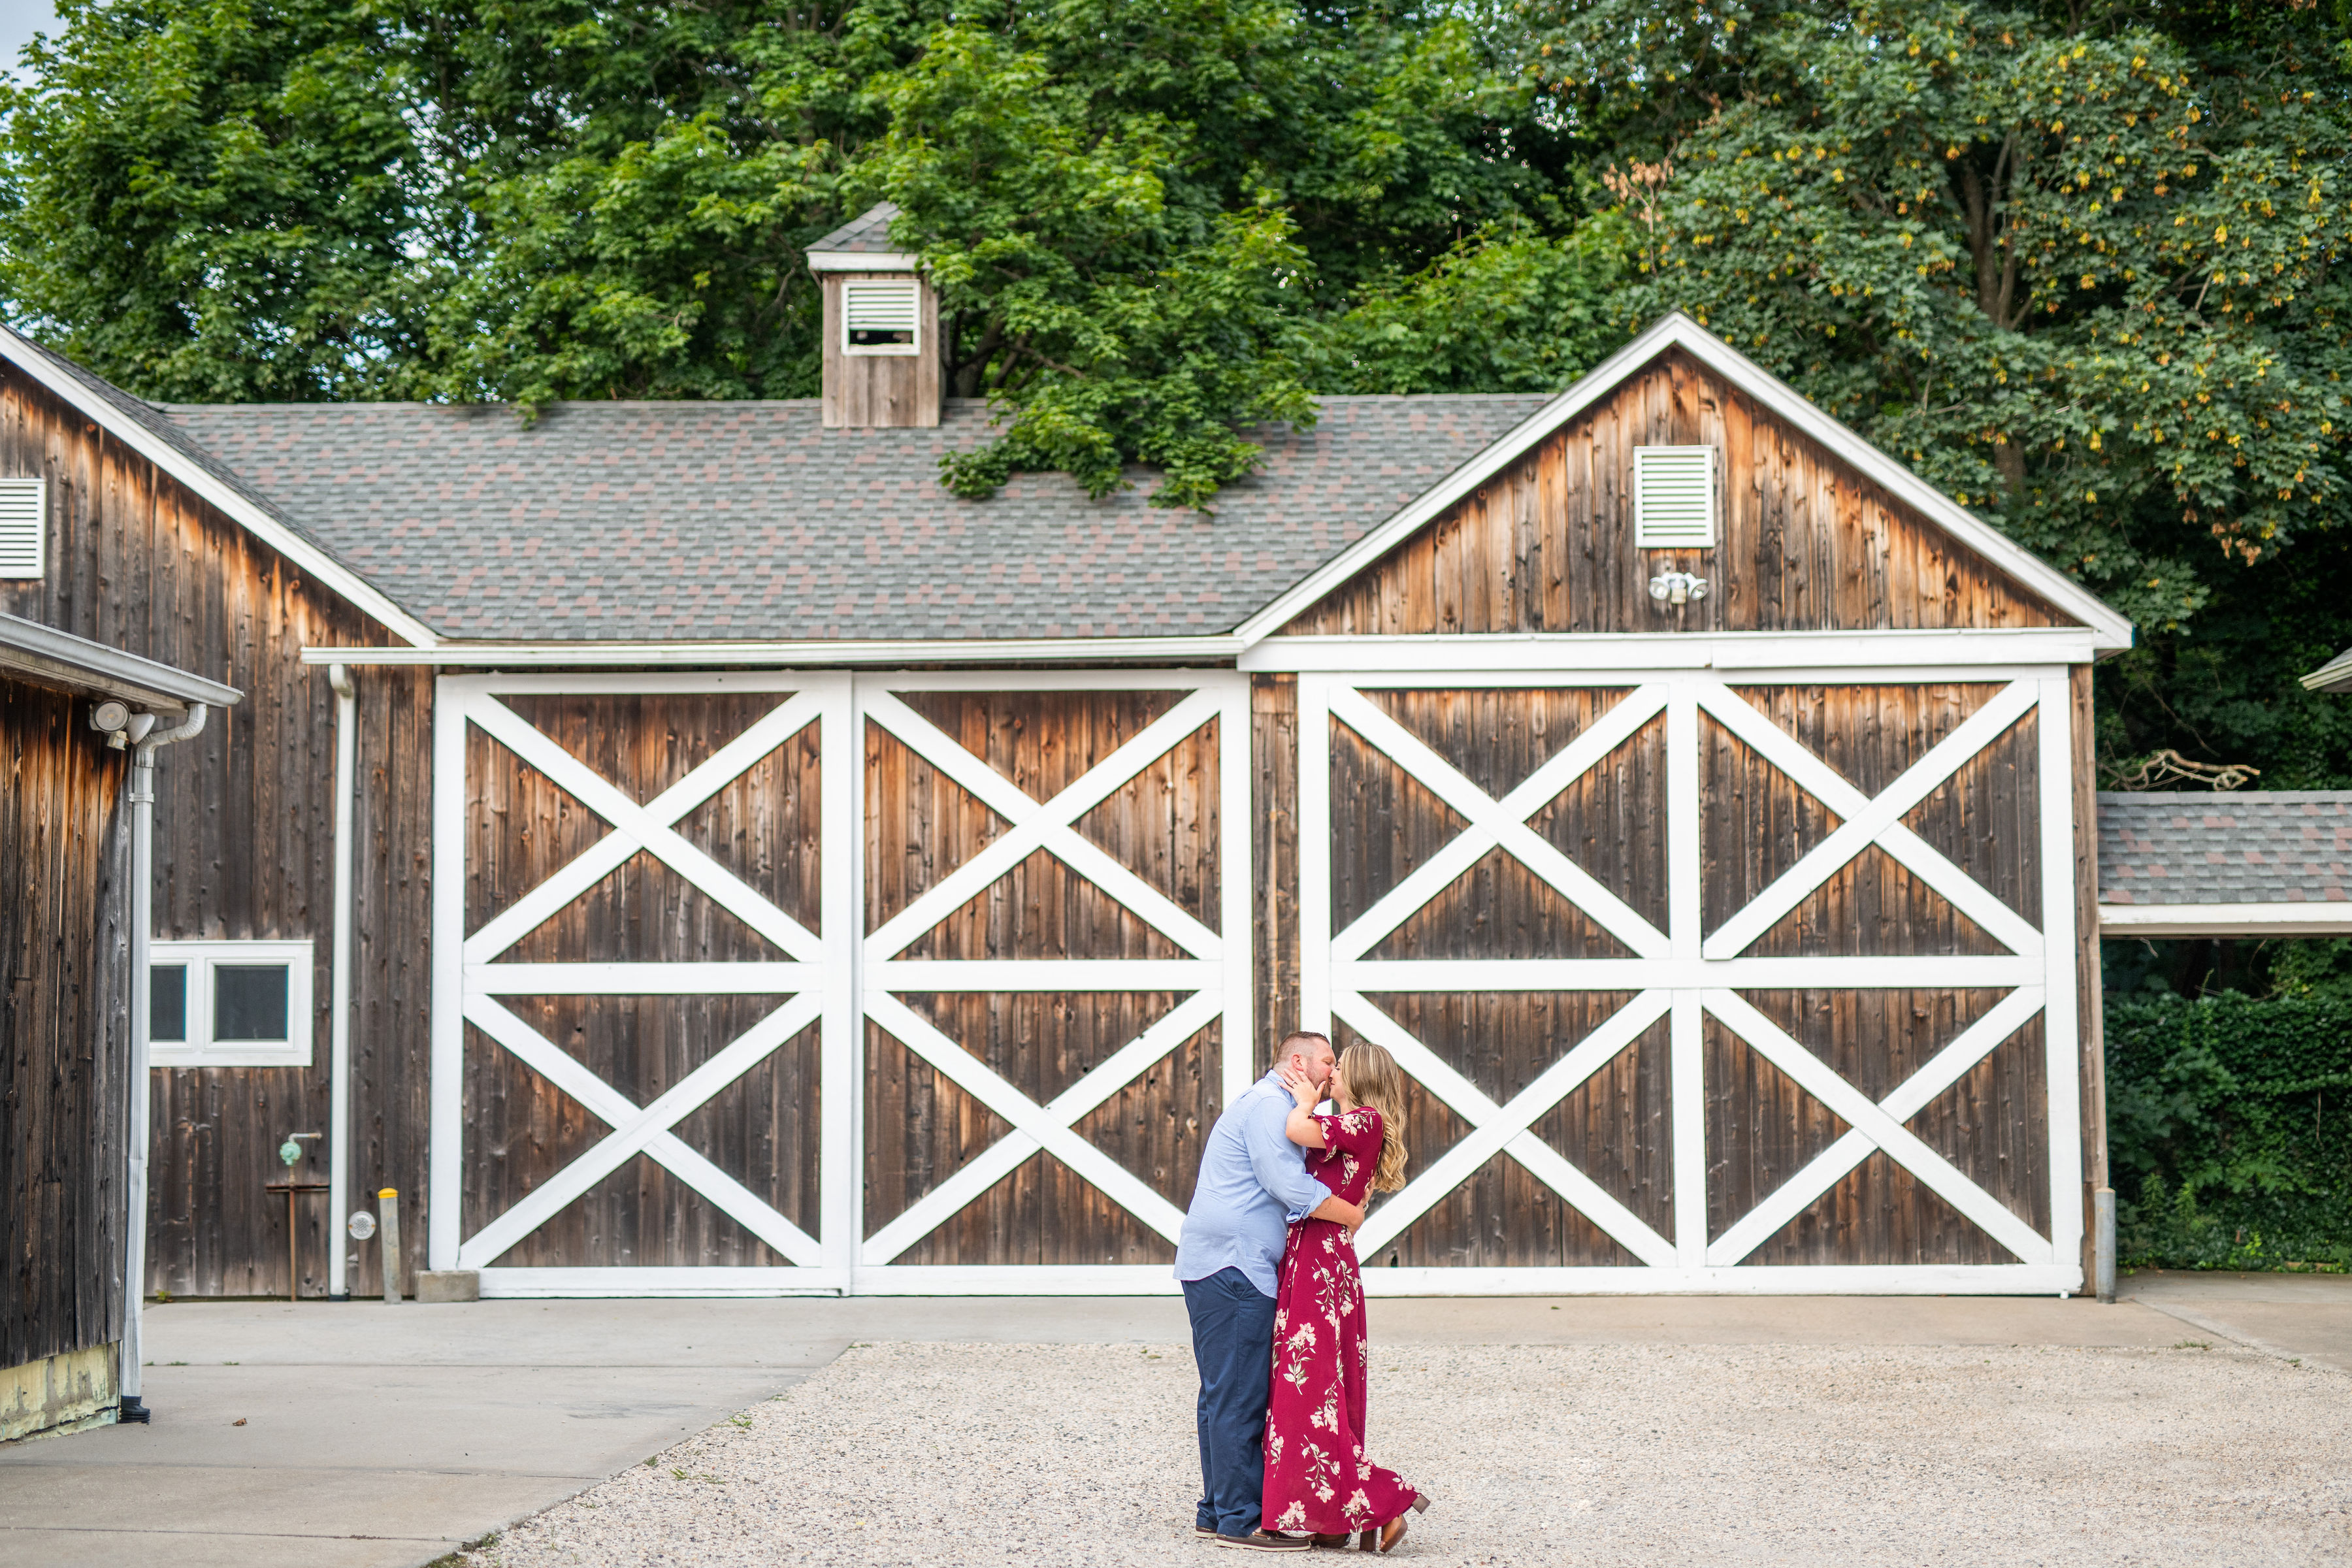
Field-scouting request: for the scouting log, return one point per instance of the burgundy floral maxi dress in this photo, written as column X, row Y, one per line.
column 1316, row 1477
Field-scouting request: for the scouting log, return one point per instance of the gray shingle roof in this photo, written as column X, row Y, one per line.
column 868, row 232
column 681, row 521
column 2265, row 846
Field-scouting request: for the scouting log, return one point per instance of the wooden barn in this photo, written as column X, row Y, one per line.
column 733, row 864
column 79, row 728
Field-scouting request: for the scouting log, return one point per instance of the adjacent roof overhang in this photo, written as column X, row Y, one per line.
column 2111, row 632
column 321, row 567
column 2335, row 675
column 46, row 657
column 2304, row 919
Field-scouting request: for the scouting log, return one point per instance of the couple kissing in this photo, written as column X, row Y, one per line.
column 1268, row 1260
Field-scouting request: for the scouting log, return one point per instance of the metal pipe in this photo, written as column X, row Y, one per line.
column 2103, row 1243
column 339, row 1023
column 128, row 1381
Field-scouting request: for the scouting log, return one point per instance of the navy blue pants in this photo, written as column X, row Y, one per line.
column 1233, row 1344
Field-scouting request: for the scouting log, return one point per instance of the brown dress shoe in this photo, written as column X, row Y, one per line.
column 1264, row 1541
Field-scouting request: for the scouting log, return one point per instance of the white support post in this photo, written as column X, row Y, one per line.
column 1687, row 1040
column 1314, row 854
column 841, row 754
column 445, row 1183
column 339, row 1023
column 1238, row 888
column 2060, row 1028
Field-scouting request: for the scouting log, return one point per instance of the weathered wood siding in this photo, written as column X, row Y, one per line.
column 65, row 1039
column 920, row 825
column 880, row 391
column 762, row 1128
column 244, row 841
column 1804, row 543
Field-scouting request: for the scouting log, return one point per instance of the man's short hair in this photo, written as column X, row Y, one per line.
column 1297, row 1038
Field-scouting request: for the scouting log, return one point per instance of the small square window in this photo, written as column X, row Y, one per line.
column 229, row 1004
column 881, row 315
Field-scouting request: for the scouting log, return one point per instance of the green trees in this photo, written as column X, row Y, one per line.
column 2085, row 280
column 1138, row 216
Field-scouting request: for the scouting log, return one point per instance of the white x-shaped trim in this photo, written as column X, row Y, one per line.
column 1826, row 1170
column 1506, row 1129
column 1050, row 1127
column 1869, row 819
column 648, row 826
column 1499, row 823
column 1041, row 824
column 632, row 827
column 1678, row 974
column 1206, row 971
column 640, row 1128
column 1877, row 1125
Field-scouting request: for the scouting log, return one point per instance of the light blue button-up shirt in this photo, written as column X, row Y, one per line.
column 1253, row 1183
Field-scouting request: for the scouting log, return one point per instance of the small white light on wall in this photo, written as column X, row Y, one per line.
column 1677, row 588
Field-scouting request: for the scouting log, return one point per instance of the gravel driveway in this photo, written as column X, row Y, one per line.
column 1083, row 1455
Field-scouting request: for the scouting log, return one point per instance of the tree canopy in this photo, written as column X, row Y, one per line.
column 2081, row 262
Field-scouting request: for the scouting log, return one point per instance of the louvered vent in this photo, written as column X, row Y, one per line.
column 1674, row 497
column 880, row 317
column 24, row 514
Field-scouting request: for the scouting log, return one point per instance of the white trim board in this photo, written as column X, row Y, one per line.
column 1758, row 655
column 2110, row 630
column 2307, row 919
column 322, row 568
column 826, row 652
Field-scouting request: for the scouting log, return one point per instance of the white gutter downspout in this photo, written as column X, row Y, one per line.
column 338, row 1029
column 142, row 921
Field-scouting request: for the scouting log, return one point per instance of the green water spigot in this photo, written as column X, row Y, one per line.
column 290, row 1152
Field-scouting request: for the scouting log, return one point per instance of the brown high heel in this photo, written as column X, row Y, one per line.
column 1384, row 1539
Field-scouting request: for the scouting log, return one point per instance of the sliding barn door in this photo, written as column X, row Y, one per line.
column 644, row 1018
column 1706, row 981
column 1055, row 972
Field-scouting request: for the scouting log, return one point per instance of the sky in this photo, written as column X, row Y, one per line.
column 19, row 20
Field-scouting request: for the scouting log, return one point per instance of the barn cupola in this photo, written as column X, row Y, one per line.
column 881, row 328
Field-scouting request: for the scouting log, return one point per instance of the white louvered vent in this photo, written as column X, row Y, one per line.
column 1673, row 497
column 24, row 515
column 880, row 316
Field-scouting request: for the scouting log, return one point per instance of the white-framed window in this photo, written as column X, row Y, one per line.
column 229, row 1003
column 24, row 527
column 881, row 315
column 1673, row 497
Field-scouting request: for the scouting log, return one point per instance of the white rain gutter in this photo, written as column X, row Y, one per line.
column 819, row 651
column 142, row 915
column 339, row 1027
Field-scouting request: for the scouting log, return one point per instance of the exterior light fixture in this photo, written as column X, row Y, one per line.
column 1677, row 588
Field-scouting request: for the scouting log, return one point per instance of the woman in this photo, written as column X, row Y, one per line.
column 1316, row 1477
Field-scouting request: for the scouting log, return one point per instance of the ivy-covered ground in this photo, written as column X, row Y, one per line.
column 2229, row 1118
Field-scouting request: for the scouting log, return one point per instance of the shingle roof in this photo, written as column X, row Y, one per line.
column 2265, row 846
column 681, row 521
column 868, row 232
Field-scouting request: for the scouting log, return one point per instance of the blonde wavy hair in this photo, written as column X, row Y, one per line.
column 1375, row 1079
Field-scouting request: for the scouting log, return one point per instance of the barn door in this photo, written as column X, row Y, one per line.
column 1055, row 971
column 644, row 936
column 1706, row 981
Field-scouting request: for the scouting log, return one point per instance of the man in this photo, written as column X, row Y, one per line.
column 1253, row 1183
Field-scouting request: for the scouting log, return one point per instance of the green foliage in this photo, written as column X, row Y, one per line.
column 208, row 201
column 2085, row 279
column 1499, row 312
column 1135, row 213
column 2229, row 1131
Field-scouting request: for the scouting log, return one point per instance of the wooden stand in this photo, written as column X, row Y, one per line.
column 293, row 1267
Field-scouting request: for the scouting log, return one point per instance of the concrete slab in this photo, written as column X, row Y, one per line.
column 2303, row 1317
column 381, row 1436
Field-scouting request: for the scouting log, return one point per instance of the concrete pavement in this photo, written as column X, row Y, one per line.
column 379, row 1437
